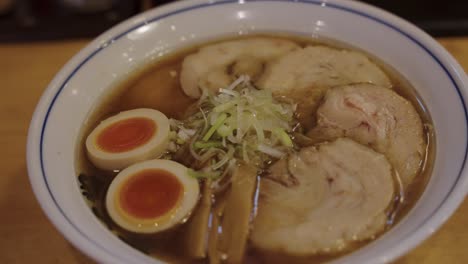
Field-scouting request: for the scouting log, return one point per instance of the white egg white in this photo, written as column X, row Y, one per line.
column 187, row 201
column 118, row 160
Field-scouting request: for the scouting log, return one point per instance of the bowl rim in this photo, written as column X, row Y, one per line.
column 37, row 172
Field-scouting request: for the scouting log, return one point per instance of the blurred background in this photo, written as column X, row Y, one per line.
column 36, row 20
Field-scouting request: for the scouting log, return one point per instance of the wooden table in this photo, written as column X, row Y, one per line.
column 26, row 236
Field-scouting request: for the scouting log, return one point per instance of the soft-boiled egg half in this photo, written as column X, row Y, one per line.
column 152, row 196
column 127, row 138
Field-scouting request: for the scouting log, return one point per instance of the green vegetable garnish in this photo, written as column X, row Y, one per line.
column 219, row 121
column 283, row 136
column 238, row 123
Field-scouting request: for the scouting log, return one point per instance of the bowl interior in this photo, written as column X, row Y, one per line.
column 116, row 54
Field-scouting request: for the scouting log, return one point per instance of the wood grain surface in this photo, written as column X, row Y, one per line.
column 27, row 236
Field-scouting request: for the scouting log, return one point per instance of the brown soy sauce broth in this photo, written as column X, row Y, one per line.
column 155, row 85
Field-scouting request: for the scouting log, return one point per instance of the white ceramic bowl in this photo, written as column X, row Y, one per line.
column 111, row 57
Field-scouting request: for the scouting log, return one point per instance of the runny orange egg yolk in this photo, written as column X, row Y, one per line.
column 150, row 194
column 126, row 135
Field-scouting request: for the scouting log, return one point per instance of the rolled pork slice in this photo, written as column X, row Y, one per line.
column 337, row 194
column 218, row 65
column 304, row 75
column 378, row 118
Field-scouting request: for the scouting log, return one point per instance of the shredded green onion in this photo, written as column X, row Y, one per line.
column 238, row 123
column 219, row 121
column 224, row 130
column 224, row 107
column 229, row 155
column 283, row 136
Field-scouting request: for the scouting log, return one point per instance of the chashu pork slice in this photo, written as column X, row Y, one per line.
column 305, row 74
column 376, row 117
column 218, row 65
column 332, row 196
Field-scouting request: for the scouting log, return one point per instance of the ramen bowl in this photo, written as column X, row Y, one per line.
column 115, row 55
